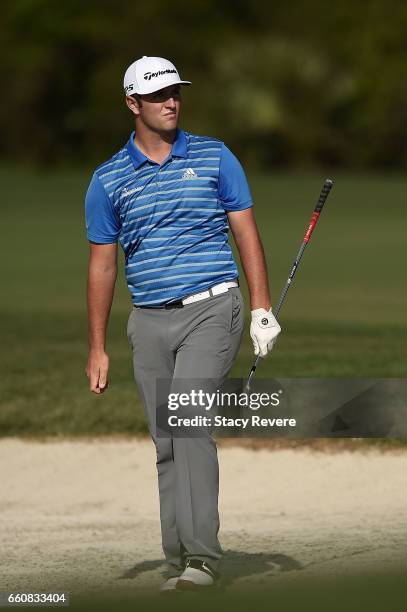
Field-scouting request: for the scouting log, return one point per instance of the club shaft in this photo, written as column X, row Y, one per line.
column 280, row 303
column 314, row 219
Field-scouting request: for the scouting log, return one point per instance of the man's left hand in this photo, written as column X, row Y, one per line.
column 264, row 330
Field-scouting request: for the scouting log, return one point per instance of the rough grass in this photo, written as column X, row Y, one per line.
column 344, row 315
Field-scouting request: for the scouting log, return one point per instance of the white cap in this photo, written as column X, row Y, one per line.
column 150, row 74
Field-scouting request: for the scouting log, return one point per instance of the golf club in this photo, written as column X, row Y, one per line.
column 314, row 219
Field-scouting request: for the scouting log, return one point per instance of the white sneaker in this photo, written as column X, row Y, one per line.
column 196, row 575
column 169, row 585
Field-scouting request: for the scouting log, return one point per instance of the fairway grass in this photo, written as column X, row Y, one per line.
column 46, row 392
column 344, row 315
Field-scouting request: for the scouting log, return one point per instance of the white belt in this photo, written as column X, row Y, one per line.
column 215, row 290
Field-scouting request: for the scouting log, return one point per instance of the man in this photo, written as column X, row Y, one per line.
column 170, row 197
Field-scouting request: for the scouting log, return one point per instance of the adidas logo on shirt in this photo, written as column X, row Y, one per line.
column 189, row 174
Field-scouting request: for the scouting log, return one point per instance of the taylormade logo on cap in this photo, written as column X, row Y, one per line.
column 150, row 74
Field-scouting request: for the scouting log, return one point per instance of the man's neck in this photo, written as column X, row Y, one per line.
column 154, row 145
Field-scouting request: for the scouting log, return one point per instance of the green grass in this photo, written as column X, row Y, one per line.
column 374, row 592
column 344, row 315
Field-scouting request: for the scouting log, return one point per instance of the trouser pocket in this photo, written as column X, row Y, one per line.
column 130, row 327
column 237, row 319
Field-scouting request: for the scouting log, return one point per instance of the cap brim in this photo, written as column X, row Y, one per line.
column 153, row 88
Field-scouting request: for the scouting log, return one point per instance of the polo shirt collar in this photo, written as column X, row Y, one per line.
column 179, row 149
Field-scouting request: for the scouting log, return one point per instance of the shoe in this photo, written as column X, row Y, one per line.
column 170, row 585
column 197, row 575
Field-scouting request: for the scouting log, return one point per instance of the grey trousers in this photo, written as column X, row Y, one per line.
column 198, row 341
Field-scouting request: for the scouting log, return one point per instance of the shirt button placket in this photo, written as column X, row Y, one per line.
column 159, row 176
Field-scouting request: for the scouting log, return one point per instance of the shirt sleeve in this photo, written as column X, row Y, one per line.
column 102, row 222
column 233, row 188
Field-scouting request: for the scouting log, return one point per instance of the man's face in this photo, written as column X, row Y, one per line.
column 160, row 110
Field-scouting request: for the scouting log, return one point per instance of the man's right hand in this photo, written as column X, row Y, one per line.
column 97, row 370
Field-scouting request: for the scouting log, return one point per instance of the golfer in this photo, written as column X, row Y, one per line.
column 169, row 197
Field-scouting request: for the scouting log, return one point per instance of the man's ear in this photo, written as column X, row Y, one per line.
column 133, row 105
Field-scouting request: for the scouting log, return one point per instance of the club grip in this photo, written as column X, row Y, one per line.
column 323, row 195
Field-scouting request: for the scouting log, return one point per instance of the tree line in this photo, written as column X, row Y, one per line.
column 295, row 84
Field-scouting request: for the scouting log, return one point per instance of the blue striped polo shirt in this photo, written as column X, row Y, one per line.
column 170, row 218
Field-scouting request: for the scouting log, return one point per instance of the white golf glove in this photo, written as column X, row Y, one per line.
column 264, row 330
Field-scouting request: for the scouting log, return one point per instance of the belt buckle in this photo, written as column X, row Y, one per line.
column 177, row 304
